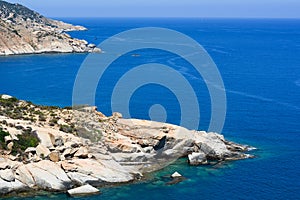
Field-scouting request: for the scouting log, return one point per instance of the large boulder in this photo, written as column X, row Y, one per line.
column 83, row 190
column 197, row 158
column 212, row 145
column 15, row 186
column 54, row 156
column 44, row 175
column 82, row 179
column 176, row 175
column 7, row 175
column 82, row 152
column 42, row 151
column 105, row 172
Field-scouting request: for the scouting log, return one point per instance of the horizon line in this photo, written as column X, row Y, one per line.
column 174, row 17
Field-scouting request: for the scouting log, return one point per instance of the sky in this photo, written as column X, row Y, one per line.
column 166, row 8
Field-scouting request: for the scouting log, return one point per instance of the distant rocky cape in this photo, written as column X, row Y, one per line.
column 76, row 150
column 23, row 31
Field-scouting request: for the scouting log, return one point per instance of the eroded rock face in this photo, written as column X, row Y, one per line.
column 24, row 31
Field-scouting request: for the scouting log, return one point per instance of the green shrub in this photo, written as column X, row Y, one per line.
column 8, row 102
column 42, row 118
column 27, row 139
column 93, row 136
column 67, row 128
column 54, row 121
column 2, row 140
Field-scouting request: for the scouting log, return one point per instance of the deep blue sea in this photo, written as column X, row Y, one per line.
column 259, row 61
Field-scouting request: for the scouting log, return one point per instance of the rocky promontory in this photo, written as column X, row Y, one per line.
column 23, row 31
column 77, row 149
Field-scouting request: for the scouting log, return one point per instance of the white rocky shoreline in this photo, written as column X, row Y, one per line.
column 82, row 149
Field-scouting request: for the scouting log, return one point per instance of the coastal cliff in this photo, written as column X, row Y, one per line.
column 23, row 31
column 58, row 149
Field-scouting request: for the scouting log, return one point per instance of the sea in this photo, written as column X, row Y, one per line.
column 259, row 62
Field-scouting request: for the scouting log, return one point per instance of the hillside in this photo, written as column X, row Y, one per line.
column 23, row 31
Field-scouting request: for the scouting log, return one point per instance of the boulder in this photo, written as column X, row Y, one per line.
column 117, row 115
column 69, row 152
column 91, row 45
column 30, row 150
column 44, row 175
column 83, row 190
column 10, row 146
column 102, row 171
column 4, row 164
column 62, row 122
column 15, row 186
column 89, row 109
column 197, row 158
column 8, row 138
column 24, row 175
column 82, row 179
column 69, row 166
column 212, row 145
column 176, row 175
column 42, row 151
column 54, row 156
column 56, row 141
column 82, row 152
column 7, row 175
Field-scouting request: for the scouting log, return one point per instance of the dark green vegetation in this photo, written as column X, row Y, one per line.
column 27, row 139
column 8, row 102
column 43, row 116
column 67, row 128
column 2, row 141
column 15, row 109
column 22, row 11
column 11, row 108
column 93, row 136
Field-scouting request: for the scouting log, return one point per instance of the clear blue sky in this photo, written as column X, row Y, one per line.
column 166, row 8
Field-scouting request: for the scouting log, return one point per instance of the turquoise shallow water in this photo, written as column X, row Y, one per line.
column 260, row 65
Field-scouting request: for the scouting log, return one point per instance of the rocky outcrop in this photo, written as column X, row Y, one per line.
column 23, row 31
column 83, row 146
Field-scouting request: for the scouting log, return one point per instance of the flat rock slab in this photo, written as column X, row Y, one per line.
column 83, row 191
